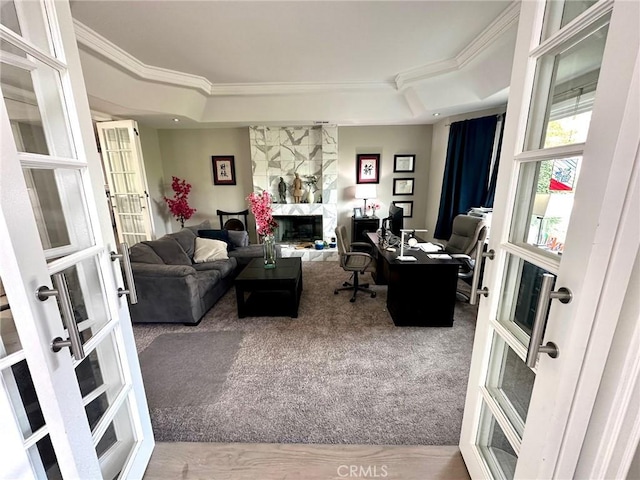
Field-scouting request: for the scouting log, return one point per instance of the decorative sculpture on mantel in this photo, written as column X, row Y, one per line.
column 297, row 189
column 282, row 191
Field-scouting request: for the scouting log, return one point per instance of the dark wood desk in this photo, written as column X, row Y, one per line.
column 421, row 293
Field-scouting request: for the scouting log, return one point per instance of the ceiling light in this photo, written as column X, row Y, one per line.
column 176, row 119
column 436, row 114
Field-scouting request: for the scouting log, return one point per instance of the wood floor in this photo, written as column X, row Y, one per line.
column 242, row 461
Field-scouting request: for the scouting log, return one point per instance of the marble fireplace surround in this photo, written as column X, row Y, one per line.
column 284, row 151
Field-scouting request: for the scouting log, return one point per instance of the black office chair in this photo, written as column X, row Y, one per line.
column 355, row 262
column 466, row 231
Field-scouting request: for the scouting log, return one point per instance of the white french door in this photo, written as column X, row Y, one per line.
column 72, row 402
column 566, row 195
column 124, row 168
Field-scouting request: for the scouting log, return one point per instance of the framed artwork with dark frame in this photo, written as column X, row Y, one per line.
column 357, row 212
column 368, row 168
column 403, row 186
column 224, row 169
column 404, row 163
column 407, row 207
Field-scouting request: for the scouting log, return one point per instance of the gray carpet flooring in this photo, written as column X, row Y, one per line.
column 339, row 373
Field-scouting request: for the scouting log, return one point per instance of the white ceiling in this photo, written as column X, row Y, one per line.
column 347, row 62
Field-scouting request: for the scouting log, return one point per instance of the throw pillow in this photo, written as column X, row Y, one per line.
column 141, row 253
column 186, row 238
column 169, row 251
column 239, row 239
column 221, row 235
column 208, row 250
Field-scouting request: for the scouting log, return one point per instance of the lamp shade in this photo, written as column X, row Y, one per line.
column 366, row 191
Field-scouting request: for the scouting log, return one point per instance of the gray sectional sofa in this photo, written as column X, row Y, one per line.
column 172, row 288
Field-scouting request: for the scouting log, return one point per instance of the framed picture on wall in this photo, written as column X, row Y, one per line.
column 368, row 168
column 407, row 208
column 403, row 186
column 404, row 163
column 224, row 169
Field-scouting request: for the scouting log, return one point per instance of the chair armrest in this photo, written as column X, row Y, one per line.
column 359, row 246
column 466, row 262
column 359, row 254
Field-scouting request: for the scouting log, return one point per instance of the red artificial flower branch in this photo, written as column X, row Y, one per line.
column 179, row 204
column 260, row 204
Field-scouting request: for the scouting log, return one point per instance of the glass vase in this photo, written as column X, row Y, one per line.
column 269, row 249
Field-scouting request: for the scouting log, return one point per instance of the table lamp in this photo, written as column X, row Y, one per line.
column 412, row 242
column 365, row 191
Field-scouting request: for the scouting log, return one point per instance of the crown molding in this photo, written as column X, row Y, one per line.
column 95, row 42
column 100, row 45
column 500, row 25
column 228, row 89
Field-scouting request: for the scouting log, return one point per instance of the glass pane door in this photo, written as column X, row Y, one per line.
column 53, row 247
column 126, row 179
column 558, row 85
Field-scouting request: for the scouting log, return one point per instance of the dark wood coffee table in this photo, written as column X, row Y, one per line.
column 268, row 292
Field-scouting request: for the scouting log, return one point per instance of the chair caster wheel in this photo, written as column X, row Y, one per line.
column 373, row 295
column 352, row 299
column 345, row 284
column 335, row 292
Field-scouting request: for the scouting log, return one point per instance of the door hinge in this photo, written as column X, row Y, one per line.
column 135, row 130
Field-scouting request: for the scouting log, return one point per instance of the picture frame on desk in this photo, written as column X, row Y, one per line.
column 403, row 186
column 357, row 212
column 407, row 207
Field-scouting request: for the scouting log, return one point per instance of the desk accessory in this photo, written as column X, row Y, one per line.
column 412, row 242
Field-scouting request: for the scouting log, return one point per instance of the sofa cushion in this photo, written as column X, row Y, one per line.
column 187, row 239
column 225, row 267
column 170, row 251
column 208, row 250
column 222, row 235
column 252, row 251
column 239, row 238
column 207, row 280
column 141, row 253
column 206, row 225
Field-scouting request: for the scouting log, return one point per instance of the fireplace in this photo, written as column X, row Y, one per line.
column 298, row 228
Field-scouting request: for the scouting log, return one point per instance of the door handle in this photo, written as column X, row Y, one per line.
column 128, row 273
column 480, row 255
column 62, row 292
column 535, row 342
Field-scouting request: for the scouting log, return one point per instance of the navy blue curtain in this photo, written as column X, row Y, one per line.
column 466, row 174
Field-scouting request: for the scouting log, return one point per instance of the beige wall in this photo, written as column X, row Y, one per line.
column 387, row 141
column 438, row 159
column 187, row 154
column 155, row 179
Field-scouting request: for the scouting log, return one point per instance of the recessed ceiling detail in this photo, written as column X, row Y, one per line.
column 358, row 75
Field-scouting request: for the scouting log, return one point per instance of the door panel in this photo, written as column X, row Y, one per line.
column 124, row 166
column 69, row 377
column 556, row 190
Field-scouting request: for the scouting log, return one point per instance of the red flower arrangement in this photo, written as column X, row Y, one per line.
column 179, row 205
column 261, row 208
